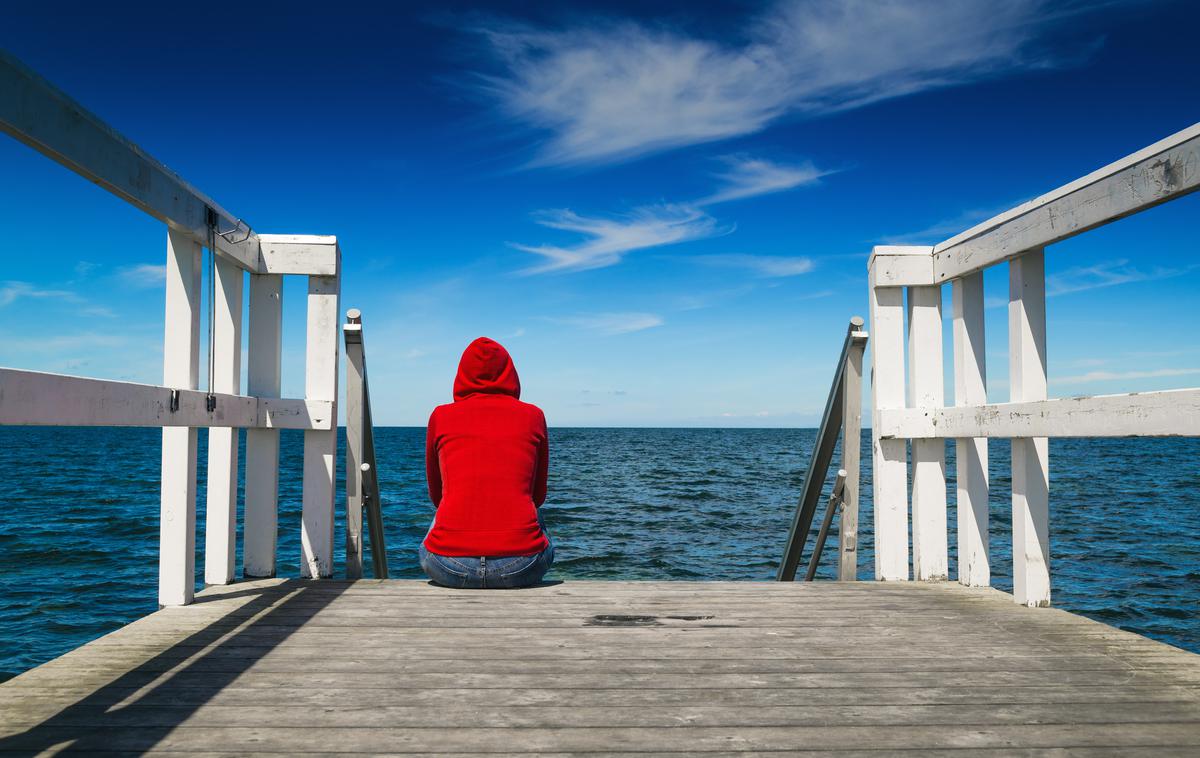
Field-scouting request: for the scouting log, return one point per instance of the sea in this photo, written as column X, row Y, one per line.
column 79, row 522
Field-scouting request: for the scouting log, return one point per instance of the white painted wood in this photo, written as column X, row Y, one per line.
column 851, row 458
column 309, row 254
column 220, row 521
column 320, row 447
column 925, row 389
column 895, row 265
column 1166, row 413
column 36, row 398
column 1168, row 169
column 889, row 456
column 260, row 528
column 1030, row 456
column 181, row 366
column 42, row 116
column 355, row 426
column 971, row 454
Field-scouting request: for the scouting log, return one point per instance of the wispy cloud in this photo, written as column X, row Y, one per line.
column 750, row 177
column 766, row 266
column 945, row 228
column 143, row 275
column 608, row 240
column 613, row 323
column 12, row 291
column 1107, row 274
column 605, row 92
column 1105, row 376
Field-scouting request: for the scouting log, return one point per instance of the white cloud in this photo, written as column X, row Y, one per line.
column 765, row 266
column 948, row 227
column 610, row 239
column 614, row 323
column 12, row 291
column 1105, row 376
column 750, row 177
column 144, row 275
column 603, row 93
column 1106, row 274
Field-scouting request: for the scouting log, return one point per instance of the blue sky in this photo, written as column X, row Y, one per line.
column 663, row 212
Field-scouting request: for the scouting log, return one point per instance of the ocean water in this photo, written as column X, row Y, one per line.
column 79, row 523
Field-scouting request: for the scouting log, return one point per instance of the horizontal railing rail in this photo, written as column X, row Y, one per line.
column 909, row 397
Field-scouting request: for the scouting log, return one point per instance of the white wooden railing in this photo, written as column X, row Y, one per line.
column 1163, row 171
column 35, row 112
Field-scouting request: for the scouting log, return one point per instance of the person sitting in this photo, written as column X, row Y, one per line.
column 487, row 457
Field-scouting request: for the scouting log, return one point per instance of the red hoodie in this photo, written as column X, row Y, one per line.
column 486, row 458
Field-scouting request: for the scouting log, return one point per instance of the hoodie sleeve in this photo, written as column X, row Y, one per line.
column 433, row 472
column 543, row 464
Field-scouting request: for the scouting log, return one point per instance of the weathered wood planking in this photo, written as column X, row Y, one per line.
column 615, row 667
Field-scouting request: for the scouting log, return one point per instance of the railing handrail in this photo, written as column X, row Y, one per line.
column 362, row 484
column 844, row 393
column 911, row 419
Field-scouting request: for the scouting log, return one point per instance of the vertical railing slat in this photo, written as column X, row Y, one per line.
column 320, row 446
column 355, row 421
column 971, row 455
column 926, row 390
column 220, row 522
column 851, row 462
column 1030, row 457
column 262, row 445
column 889, row 456
column 181, row 370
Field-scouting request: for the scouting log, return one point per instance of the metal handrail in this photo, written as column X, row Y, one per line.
column 362, row 486
column 836, row 503
column 842, row 413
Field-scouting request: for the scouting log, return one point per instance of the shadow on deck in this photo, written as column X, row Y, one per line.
column 402, row 666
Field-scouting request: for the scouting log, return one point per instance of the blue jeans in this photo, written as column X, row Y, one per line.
column 484, row 572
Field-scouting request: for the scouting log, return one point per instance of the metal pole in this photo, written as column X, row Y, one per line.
column 835, row 504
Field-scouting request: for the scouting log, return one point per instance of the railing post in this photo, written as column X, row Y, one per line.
column 220, row 522
column 851, row 459
column 320, row 447
column 929, row 538
column 1030, row 457
column 355, row 419
column 890, row 457
column 262, row 445
column 971, row 454
column 181, row 370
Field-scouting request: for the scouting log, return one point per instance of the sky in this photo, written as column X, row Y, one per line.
column 663, row 210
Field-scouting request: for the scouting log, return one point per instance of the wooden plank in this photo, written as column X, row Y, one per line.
column 851, row 460
column 181, row 367
column 1168, row 169
column 220, row 524
column 307, row 254
column 971, row 453
column 35, row 398
column 901, row 266
column 320, row 447
column 260, row 522
column 929, row 538
column 45, row 118
column 889, row 469
column 1168, row 413
column 1030, row 456
column 355, row 429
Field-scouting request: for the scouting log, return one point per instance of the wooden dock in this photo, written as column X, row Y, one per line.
column 291, row 666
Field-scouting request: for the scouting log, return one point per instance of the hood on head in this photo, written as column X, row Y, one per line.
column 486, row 368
